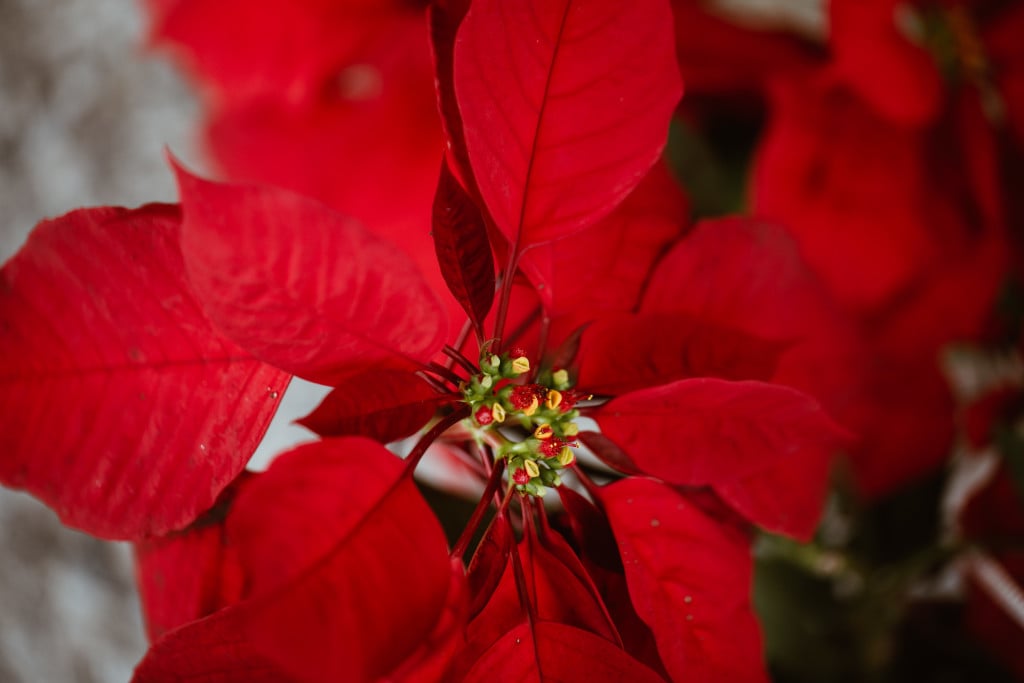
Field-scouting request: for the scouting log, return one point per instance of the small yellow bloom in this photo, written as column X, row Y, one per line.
column 531, row 468
column 498, row 412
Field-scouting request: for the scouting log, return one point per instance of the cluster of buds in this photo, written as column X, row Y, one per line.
column 542, row 411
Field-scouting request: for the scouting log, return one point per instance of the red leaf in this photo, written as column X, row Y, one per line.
column 463, row 248
column 190, row 574
column 555, row 652
column 565, row 107
column 604, row 268
column 328, row 535
column 124, row 409
column 302, row 287
column 690, row 580
column 385, row 405
column 696, row 432
column 630, row 351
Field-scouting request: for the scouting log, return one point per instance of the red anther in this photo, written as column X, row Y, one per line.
column 551, row 447
column 517, row 352
column 570, row 397
column 521, row 477
column 483, row 416
column 525, row 395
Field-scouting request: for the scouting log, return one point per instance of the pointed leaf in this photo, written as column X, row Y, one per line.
column 555, row 652
column 328, row 536
column 629, row 351
column 463, row 248
column 302, row 287
column 690, row 580
column 565, row 107
column 707, row 431
column 123, row 408
column 385, row 405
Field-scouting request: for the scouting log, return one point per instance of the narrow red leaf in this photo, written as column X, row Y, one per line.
column 708, row 431
column 629, row 351
column 329, row 536
column 690, row 581
column 556, row 652
column 565, row 106
column 302, row 287
column 463, row 248
column 124, row 409
column 385, row 405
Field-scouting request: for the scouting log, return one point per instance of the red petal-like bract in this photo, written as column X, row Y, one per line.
column 349, row 574
column 300, row 286
column 190, row 574
column 690, row 580
column 565, row 106
column 463, row 248
column 621, row 353
column 557, row 653
column 604, row 268
column 123, row 408
column 385, row 405
column 711, row 432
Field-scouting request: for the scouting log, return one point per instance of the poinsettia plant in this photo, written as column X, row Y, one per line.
column 147, row 350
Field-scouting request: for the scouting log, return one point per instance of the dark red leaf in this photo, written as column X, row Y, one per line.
column 565, row 106
column 556, row 652
column 330, row 536
column 629, row 351
column 690, row 580
column 609, row 452
column 301, row 286
column 463, row 248
column 124, row 409
column 385, row 405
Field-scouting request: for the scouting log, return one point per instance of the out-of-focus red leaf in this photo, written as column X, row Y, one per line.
column 189, row 574
column 328, row 535
column 385, row 405
column 276, row 48
column 556, row 652
column 690, row 580
column 707, row 431
column 443, row 19
column 897, row 77
column 565, row 106
column 124, row 409
column 718, row 56
column 463, row 248
column 625, row 352
column 299, row 285
column 604, row 268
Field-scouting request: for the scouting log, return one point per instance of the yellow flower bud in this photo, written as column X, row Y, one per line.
column 566, row 457
column 532, row 408
column 520, row 365
column 544, row 432
column 498, row 412
column 560, row 377
column 531, row 468
column 571, row 429
column 553, row 400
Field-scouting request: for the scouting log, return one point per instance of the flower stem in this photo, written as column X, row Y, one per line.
column 416, row 454
column 478, row 513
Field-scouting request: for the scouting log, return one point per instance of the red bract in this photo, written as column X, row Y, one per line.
column 124, row 408
column 585, row 110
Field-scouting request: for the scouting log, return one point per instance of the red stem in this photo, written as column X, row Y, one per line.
column 478, row 514
column 416, row 454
